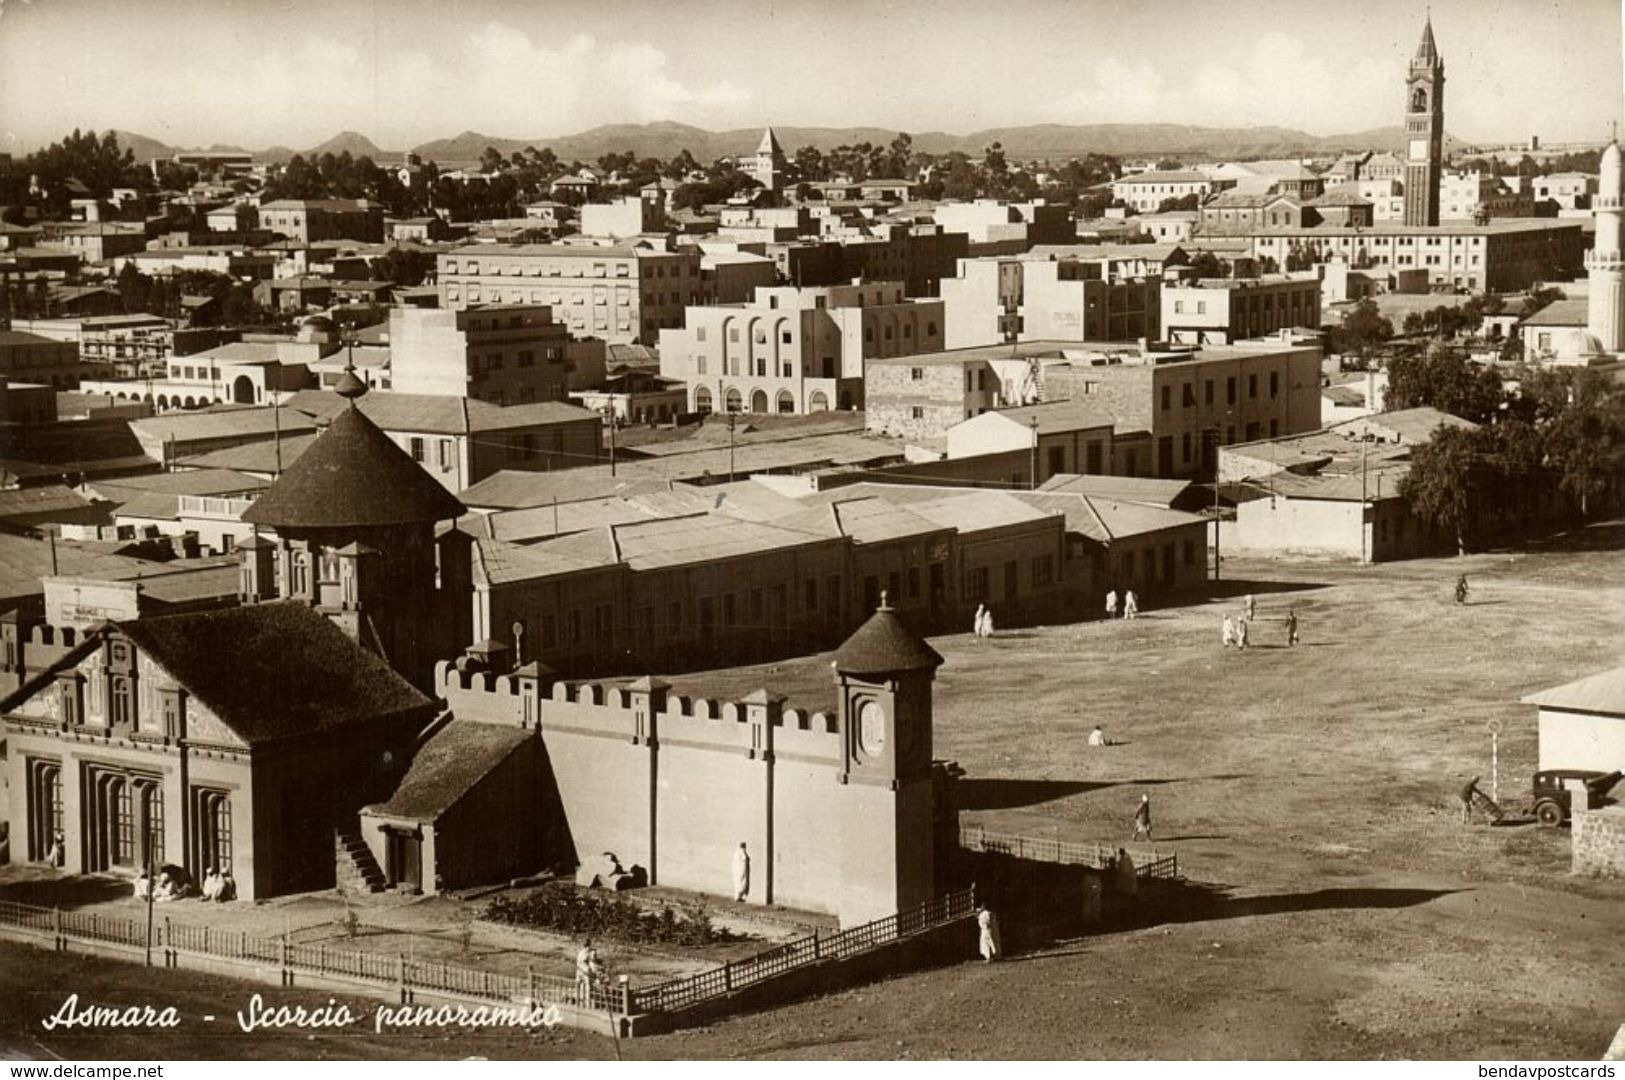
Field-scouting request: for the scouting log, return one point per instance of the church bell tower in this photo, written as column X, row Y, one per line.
column 1424, row 131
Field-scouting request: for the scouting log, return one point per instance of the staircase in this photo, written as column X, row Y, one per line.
column 355, row 870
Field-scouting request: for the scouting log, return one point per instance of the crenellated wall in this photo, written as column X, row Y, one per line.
column 675, row 784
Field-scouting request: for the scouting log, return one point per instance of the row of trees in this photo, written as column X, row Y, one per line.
column 82, row 165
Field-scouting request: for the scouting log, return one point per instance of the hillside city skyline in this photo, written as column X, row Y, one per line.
column 248, row 80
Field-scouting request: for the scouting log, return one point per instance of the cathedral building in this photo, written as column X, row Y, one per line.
column 243, row 739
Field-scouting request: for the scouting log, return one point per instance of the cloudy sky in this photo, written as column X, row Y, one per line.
column 293, row 72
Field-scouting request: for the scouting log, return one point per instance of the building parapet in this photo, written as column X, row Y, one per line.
column 644, row 711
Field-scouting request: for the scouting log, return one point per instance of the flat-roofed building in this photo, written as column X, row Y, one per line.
column 309, row 220
column 507, row 354
column 1503, row 255
column 1071, row 297
column 796, row 350
column 1171, row 408
column 1145, row 192
column 1217, row 311
column 622, row 293
column 994, row 221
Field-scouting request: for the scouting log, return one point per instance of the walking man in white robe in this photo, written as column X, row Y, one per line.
column 741, row 873
column 976, row 625
column 1131, row 605
column 987, row 623
column 988, row 938
column 1229, row 631
column 1111, row 603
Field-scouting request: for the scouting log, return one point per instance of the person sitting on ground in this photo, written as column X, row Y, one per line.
column 143, row 886
column 228, row 888
column 1098, row 737
column 211, row 884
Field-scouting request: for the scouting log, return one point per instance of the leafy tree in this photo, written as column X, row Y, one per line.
column 403, row 266
column 1444, row 481
column 1363, row 328
column 1446, row 380
column 1180, row 202
column 993, row 160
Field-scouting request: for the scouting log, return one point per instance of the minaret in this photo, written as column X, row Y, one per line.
column 1605, row 314
column 1424, row 131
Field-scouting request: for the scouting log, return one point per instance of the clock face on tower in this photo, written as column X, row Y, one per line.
column 1419, row 149
column 872, row 728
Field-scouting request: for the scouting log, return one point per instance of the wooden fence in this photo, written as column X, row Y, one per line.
column 1148, row 862
column 404, row 975
column 679, row 994
column 395, row 971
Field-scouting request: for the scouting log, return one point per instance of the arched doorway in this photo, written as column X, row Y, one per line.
column 163, row 401
column 819, row 402
column 702, row 400
column 189, row 403
column 736, row 403
column 787, row 403
column 758, row 402
column 242, row 390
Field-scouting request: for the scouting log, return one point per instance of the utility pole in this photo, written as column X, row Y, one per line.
column 1032, row 479
column 730, row 446
column 612, row 438
column 1365, row 446
column 1217, row 519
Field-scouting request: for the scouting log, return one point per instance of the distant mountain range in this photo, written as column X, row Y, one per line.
column 666, row 139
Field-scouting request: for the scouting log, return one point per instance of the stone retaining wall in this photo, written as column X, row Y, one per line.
column 1599, row 842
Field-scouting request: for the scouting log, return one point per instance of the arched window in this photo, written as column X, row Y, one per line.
column 787, row 402
column 1419, row 100
column 819, row 402
column 758, row 402
column 702, row 400
column 736, row 402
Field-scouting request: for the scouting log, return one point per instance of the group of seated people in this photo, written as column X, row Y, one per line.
column 174, row 884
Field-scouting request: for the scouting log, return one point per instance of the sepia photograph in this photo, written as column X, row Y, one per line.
column 893, row 531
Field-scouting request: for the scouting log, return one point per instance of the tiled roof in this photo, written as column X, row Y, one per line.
column 1560, row 313
column 444, row 769
column 438, row 413
column 353, row 475
column 1139, row 489
column 51, row 499
column 885, row 644
column 292, row 671
column 186, row 427
column 263, row 456
column 1172, row 176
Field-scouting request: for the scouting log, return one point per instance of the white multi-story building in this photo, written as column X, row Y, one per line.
column 796, row 350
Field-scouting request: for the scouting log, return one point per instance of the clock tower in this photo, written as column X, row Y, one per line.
column 886, row 837
column 1424, row 131
column 885, row 673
